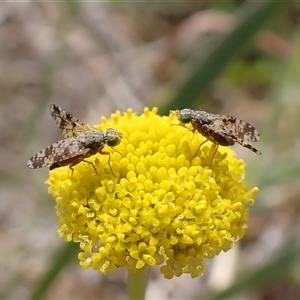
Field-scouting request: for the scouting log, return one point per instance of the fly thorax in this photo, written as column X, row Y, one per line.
column 92, row 140
column 202, row 118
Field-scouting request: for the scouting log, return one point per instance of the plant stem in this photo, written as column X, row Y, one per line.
column 137, row 284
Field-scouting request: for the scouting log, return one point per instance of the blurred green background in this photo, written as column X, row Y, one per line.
column 240, row 58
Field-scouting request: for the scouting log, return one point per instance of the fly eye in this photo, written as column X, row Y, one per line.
column 185, row 118
column 113, row 137
column 113, row 141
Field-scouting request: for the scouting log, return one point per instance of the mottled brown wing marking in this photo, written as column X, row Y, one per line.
column 240, row 128
column 68, row 124
column 239, row 131
column 57, row 152
column 70, row 148
column 246, row 145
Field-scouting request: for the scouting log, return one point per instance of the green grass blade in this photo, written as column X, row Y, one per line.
column 252, row 17
column 65, row 254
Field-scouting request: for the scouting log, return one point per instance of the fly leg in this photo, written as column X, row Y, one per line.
column 107, row 153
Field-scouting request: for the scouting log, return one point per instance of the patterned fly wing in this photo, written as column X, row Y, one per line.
column 61, row 152
column 220, row 129
column 228, row 127
column 68, row 124
column 235, row 127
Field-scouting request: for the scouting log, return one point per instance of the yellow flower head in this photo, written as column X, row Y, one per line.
column 162, row 207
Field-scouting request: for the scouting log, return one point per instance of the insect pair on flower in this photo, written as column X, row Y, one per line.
column 80, row 141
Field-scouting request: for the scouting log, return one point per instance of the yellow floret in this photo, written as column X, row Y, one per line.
column 164, row 207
